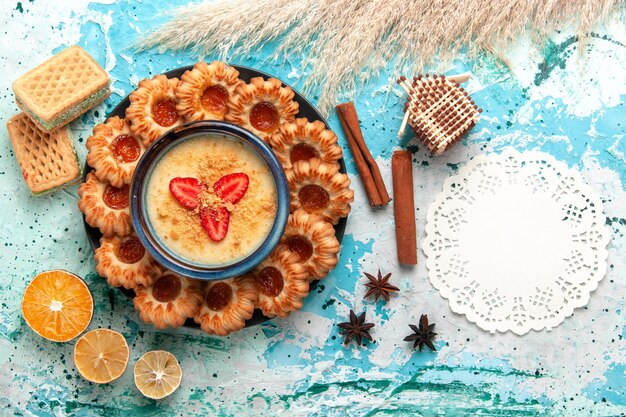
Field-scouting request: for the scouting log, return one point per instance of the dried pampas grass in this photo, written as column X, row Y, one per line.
column 345, row 42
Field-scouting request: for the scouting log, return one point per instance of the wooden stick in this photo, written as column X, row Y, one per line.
column 366, row 176
column 405, row 120
column 459, row 78
column 348, row 113
column 404, row 207
column 404, row 84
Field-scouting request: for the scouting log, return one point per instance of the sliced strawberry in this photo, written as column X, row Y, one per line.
column 215, row 222
column 186, row 191
column 230, row 188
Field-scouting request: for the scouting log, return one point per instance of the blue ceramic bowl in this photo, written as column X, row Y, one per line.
column 139, row 213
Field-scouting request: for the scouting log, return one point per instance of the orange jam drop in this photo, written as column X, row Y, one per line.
column 130, row 251
column 218, row 297
column 264, row 117
column 116, row 198
column 214, row 98
column 313, row 198
column 300, row 245
column 302, row 152
column 125, row 148
column 270, row 280
column 164, row 112
column 166, row 288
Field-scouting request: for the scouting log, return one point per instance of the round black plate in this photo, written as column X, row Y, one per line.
column 306, row 110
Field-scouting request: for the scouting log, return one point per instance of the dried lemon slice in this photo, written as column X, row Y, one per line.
column 157, row 374
column 57, row 305
column 101, row 355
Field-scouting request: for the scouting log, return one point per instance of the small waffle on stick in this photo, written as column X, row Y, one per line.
column 438, row 109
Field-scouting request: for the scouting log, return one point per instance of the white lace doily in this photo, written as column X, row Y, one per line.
column 516, row 241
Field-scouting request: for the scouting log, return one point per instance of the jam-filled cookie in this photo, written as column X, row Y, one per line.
column 318, row 187
column 105, row 206
column 262, row 106
column 169, row 301
column 114, row 151
column 152, row 110
column 303, row 140
column 203, row 92
column 282, row 282
column 227, row 305
column 123, row 261
column 314, row 241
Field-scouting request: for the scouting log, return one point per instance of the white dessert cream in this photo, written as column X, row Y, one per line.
column 209, row 158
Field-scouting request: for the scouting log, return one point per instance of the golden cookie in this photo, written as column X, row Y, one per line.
column 282, row 283
column 227, row 305
column 152, row 111
column 169, row 301
column 114, row 151
column 319, row 188
column 105, row 206
column 262, row 106
column 203, row 92
column 313, row 239
column 123, row 261
column 303, row 140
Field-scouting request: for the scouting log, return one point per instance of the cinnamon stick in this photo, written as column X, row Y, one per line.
column 404, row 207
column 362, row 167
column 350, row 123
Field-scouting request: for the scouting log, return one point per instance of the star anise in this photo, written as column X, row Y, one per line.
column 423, row 334
column 379, row 286
column 356, row 328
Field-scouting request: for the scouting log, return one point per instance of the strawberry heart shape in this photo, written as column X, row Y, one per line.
column 230, row 189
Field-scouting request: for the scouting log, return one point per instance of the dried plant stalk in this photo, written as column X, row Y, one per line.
column 346, row 42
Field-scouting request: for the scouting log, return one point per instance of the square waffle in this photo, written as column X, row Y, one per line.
column 62, row 88
column 439, row 111
column 47, row 160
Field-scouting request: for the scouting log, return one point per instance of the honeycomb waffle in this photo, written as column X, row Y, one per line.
column 439, row 111
column 47, row 160
column 62, row 88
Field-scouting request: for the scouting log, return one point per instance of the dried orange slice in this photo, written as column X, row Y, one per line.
column 57, row 305
column 157, row 374
column 101, row 355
